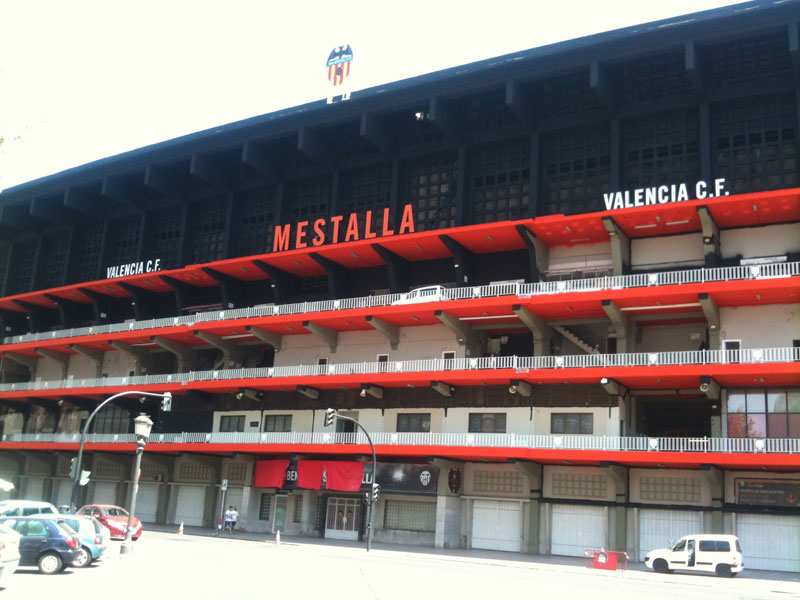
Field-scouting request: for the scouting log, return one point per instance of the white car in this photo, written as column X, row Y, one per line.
column 9, row 553
column 430, row 293
column 709, row 552
column 26, row 508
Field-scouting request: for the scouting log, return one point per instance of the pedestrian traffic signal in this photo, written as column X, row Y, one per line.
column 84, row 477
column 376, row 491
column 330, row 417
column 73, row 469
column 166, row 402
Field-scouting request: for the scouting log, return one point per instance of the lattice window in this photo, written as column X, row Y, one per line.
column 429, row 184
column 112, row 419
column 417, row 422
column 487, row 422
column 661, row 149
column 754, row 59
column 670, row 489
column 265, row 507
column 489, row 111
column 194, row 471
column 571, row 423
column 107, row 469
column 415, row 128
column 5, row 252
column 567, row 95
column 298, row 509
column 231, row 423
column 123, row 237
column 256, row 219
column 208, row 239
column 54, row 259
column 25, row 265
column 88, row 239
column 580, row 485
column 152, row 470
column 237, row 471
column 409, row 515
column 500, row 178
column 654, row 77
column 755, row 144
column 165, row 235
column 577, row 170
column 309, row 200
column 367, row 189
column 505, row 482
column 279, row 423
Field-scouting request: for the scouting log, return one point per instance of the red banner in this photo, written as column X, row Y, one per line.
column 270, row 473
column 343, row 476
column 309, row 474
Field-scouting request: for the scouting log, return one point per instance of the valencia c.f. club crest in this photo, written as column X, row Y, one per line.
column 339, row 64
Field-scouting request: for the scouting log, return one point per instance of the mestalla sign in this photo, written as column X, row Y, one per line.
column 664, row 194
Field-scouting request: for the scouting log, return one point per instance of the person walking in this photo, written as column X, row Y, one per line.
column 234, row 517
column 230, row 522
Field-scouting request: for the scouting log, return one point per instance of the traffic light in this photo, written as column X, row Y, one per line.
column 73, row 468
column 376, row 491
column 166, row 402
column 84, row 477
column 330, row 417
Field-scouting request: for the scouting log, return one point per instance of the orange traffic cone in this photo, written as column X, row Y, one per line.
column 278, row 538
column 180, row 529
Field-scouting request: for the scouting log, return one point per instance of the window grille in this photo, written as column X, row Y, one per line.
column 54, row 259
column 5, row 251
column 763, row 413
column 278, row 423
column 415, row 128
column 566, row 95
column 256, row 219
column 231, row 423
column 237, row 471
column 654, row 77
column 417, row 422
column 265, row 507
column 580, row 485
column 164, row 226
column 576, row 170
column 366, row 189
column 112, row 419
column 124, row 240
column 487, row 423
column 309, row 200
column 430, row 186
column 498, row 482
column 298, row 509
column 500, row 178
column 661, row 149
column 409, row 515
column 194, row 471
column 755, row 143
column 208, row 239
column 754, row 59
column 88, row 239
column 571, row 423
column 670, row 489
column 488, row 111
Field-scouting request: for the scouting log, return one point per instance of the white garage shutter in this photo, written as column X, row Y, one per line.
column 497, row 525
column 660, row 528
column 105, row 492
column 64, row 493
column 190, row 507
column 577, row 528
column 34, row 490
column 147, row 502
column 769, row 542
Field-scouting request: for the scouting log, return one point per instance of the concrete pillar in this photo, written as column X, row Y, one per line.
column 617, row 534
column 449, row 505
column 716, row 480
column 533, row 472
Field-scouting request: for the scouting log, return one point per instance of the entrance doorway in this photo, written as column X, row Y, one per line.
column 343, row 518
column 279, row 519
column 674, row 417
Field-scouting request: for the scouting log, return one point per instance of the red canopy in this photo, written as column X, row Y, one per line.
column 270, row 473
column 344, row 476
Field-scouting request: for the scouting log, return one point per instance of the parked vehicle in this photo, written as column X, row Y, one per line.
column 113, row 517
column 25, row 508
column 9, row 553
column 720, row 554
column 430, row 293
column 90, row 531
column 44, row 543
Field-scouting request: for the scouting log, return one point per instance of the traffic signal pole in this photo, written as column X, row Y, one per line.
column 330, row 415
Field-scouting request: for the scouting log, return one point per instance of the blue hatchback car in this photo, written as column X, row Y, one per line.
column 44, row 543
column 90, row 532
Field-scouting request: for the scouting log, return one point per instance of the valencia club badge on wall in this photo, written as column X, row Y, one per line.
column 339, row 65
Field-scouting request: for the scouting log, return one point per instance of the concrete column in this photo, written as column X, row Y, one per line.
column 449, row 507
column 716, row 480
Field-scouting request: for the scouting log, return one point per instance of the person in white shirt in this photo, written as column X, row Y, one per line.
column 234, row 517
column 230, row 520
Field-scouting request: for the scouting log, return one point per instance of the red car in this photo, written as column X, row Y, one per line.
column 113, row 517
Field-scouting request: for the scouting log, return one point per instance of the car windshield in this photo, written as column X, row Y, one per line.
column 115, row 511
column 679, row 546
column 66, row 528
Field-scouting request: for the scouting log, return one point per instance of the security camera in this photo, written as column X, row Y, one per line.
column 240, row 395
column 512, row 389
column 704, row 387
column 363, row 393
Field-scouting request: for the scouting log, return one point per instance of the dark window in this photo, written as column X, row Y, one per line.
column 5, row 251
column 164, row 227
column 124, row 240
column 363, row 190
column 309, row 200
column 714, row 546
column 418, row 422
column 88, row 239
column 576, row 170
column 208, row 236
column 256, row 220
column 487, row 423
column 54, row 259
column 415, row 128
column 430, row 186
column 265, row 507
column 489, row 111
column 755, row 144
column 753, row 59
column 112, row 419
column 571, row 423
column 566, row 95
column 24, row 263
column 661, row 149
column 500, row 177
column 231, row 423
column 655, row 77
column 278, row 423
column 760, row 413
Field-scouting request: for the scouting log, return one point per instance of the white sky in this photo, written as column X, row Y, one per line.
column 81, row 80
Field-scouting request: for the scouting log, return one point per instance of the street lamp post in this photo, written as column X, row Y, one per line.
column 141, row 426
column 166, row 397
column 330, row 416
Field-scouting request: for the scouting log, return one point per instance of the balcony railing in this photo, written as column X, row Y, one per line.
column 492, row 440
column 524, row 290
column 521, row 365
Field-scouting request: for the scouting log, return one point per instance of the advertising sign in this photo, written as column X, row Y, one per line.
column 768, row 492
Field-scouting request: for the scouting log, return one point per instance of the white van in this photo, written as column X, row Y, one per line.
column 26, row 508
column 713, row 553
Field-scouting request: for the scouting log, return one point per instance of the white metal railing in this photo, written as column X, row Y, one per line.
column 768, row 271
column 494, row 440
column 521, row 365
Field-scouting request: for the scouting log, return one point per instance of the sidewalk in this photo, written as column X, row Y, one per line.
column 534, row 561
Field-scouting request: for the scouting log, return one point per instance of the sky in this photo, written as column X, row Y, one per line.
column 82, row 80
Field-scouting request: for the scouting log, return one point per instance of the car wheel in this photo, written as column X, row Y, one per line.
column 724, row 570
column 84, row 558
column 50, row 563
column 660, row 566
